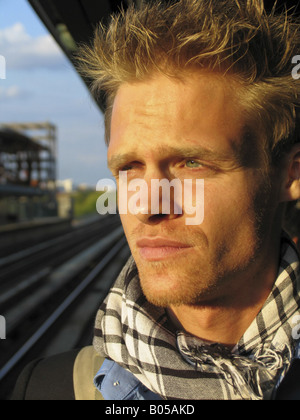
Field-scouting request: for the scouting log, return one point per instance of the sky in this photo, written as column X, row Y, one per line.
column 42, row 86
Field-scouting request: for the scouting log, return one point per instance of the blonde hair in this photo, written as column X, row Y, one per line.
column 233, row 37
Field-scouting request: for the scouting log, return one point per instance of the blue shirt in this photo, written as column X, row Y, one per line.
column 116, row 383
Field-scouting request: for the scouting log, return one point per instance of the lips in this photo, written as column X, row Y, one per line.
column 160, row 242
column 155, row 249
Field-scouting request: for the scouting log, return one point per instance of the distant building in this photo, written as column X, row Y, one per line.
column 27, row 172
column 65, row 185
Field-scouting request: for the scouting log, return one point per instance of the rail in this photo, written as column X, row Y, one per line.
column 37, row 305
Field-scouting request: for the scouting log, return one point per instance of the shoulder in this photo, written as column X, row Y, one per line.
column 78, row 375
column 47, row 379
column 66, row 376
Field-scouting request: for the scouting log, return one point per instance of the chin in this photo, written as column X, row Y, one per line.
column 165, row 291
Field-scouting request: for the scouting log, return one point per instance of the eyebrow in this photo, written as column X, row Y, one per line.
column 116, row 161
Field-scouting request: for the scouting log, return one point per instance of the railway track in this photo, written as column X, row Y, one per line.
column 49, row 294
column 53, row 252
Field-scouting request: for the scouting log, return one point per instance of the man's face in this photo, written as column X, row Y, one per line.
column 192, row 129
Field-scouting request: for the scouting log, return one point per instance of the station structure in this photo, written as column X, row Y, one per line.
column 27, row 171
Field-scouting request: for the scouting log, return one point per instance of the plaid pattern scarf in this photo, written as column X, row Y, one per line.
column 138, row 336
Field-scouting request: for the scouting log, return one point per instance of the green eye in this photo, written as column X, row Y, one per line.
column 193, row 164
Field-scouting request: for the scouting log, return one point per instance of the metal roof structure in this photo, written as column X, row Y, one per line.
column 72, row 22
column 12, row 142
column 27, row 163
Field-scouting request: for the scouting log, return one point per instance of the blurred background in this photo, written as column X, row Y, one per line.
column 43, row 90
column 58, row 257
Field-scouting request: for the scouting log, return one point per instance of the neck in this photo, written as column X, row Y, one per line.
column 214, row 324
column 225, row 319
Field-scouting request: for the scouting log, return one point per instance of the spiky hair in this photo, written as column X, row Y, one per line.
column 233, row 37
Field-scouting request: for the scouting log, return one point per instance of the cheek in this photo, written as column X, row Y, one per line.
column 228, row 211
column 127, row 222
column 130, row 226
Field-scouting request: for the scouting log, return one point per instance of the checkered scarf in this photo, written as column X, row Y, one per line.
column 138, row 336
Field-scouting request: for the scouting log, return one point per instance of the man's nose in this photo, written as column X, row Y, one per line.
column 161, row 203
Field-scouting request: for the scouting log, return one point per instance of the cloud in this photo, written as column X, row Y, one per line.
column 23, row 52
column 12, row 92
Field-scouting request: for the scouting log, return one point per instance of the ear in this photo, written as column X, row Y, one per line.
column 290, row 188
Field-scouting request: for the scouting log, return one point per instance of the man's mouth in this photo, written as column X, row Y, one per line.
column 158, row 248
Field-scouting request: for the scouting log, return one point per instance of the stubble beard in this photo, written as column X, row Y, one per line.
column 179, row 282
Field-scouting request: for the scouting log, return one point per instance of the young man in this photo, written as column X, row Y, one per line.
column 202, row 89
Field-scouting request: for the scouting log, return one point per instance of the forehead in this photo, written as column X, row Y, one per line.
column 200, row 109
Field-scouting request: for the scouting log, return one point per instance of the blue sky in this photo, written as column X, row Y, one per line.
column 41, row 85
